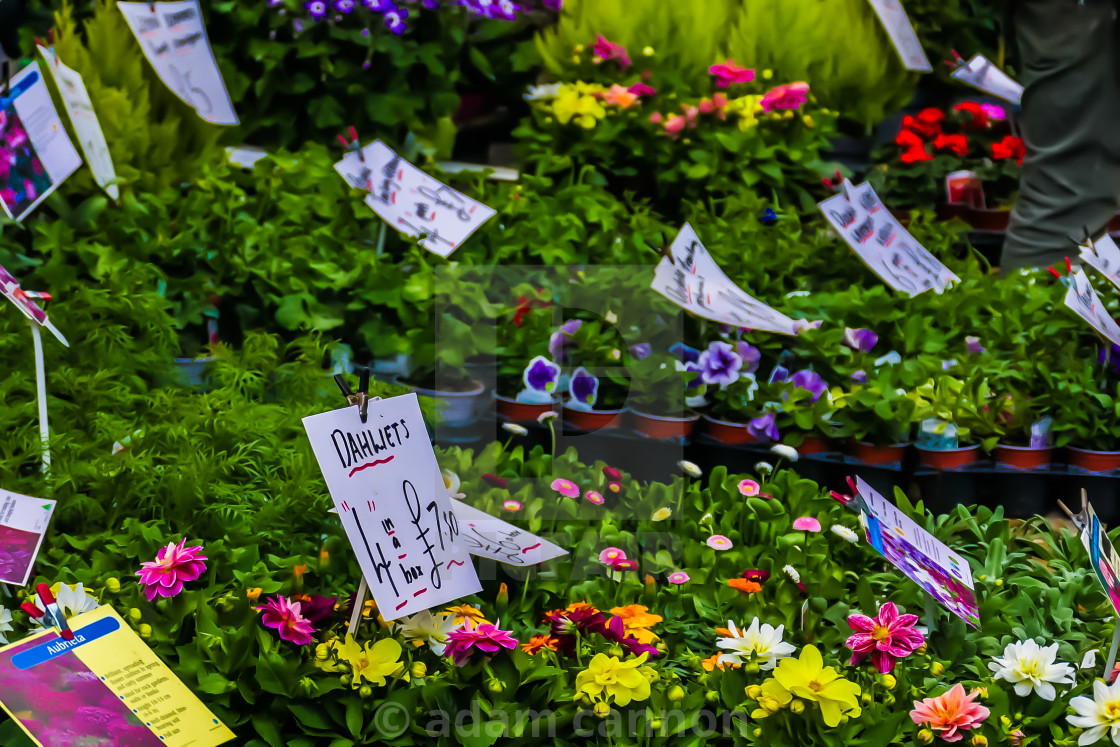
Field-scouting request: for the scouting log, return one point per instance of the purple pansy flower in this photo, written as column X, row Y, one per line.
column 394, row 20
column 807, row 379
column 297, row 25
column 719, row 364
column 973, row 344
column 763, row 427
column 379, row 6
column 860, row 339
column 641, row 350
column 583, row 387
column 541, row 375
column 344, row 6
column 559, row 342
column 860, row 377
column 779, row 374
column 750, row 356
column 685, row 353
column 506, row 10
column 317, row 9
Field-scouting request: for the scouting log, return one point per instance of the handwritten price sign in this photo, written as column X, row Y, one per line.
column 411, row 201
column 882, row 243
column 489, row 537
column 384, row 479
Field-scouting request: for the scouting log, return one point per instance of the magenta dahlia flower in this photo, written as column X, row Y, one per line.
column 286, row 617
column 888, row 637
column 486, row 638
column 174, row 565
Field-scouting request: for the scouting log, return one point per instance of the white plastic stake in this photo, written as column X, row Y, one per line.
column 41, row 386
column 359, row 600
column 1112, row 651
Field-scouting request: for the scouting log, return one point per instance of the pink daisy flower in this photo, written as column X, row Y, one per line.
column 174, row 565
column 678, row 577
column 719, row 542
column 487, row 638
column 511, row 505
column 286, row 617
column 888, row 637
column 593, row 496
column 807, row 524
column 566, row 488
column 749, row 487
column 610, row 554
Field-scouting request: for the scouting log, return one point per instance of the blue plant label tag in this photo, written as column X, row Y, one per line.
column 59, row 646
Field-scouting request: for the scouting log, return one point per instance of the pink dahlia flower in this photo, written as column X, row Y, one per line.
column 286, row 617
column 486, row 638
column 789, row 96
column 950, row 714
column 174, row 565
column 888, row 637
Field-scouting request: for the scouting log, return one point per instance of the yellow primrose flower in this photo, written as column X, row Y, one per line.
column 745, row 108
column 807, row 678
column 607, row 677
column 372, row 663
column 570, row 104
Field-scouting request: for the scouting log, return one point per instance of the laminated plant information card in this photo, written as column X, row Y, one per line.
column 174, row 40
column 1104, row 256
column 84, row 119
column 981, row 73
column 901, row 31
column 882, row 243
column 35, row 151
column 23, row 522
column 690, row 278
column 487, row 536
column 1084, row 301
column 384, row 479
column 923, row 558
column 411, row 201
column 1106, row 563
column 104, row 687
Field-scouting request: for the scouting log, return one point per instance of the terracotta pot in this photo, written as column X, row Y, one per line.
column 813, row 445
column 1094, row 461
column 593, row 420
column 872, row 454
column 988, row 220
column 1022, row 457
column 728, row 433
column 948, row 458
column 1114, row 224
column 459, row 408
column 511, row 409
column 658, row 426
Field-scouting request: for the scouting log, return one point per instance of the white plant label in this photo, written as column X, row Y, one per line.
column 174, row 40
column 84, row 119
column 692, row 280
column 981, row 73
column 487, row 536
column 38, row 155
column 384, row 479
column 901, row 32
column 23, row 522
column 1103, row 256
column 882, row 243
column 411, row 201
column 1086, row 304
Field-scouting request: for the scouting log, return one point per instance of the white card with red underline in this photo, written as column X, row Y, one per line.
column 882, row 243
column 386, row 485
column 1084, row 301
column 1104, row 256
column 979, row 72
column 691, row 279
column 411, row 201
column 902, row 35
column 489, row 537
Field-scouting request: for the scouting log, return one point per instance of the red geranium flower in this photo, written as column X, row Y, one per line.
column 927, row 123
column 979, row 117
column 956, row 143
column 913, row 147
column 1009, row 147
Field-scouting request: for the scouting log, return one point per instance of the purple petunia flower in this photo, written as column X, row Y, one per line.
column 641, row 350
column 973, row 344
column 541, row 375
column 394, row 20
column 583, row 386
column 779, row 374
column 860, row 377
column 764, row 428
column 750, row 356
column 297, row 25
column 559, row 341
column 317, row 9
column 807, row 379
column 685, row 353
column 719, row 364
column 379, row 6
column 860, row 339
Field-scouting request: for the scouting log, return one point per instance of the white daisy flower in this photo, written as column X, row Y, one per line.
column 690, row 469
column 1099, row 715
column 515, row 429
column 763, row 643
column 785, row 452
column 1032, row 668
column 843, row 532
column 792, row 573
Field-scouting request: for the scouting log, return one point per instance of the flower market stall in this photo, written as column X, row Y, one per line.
column 479, row 372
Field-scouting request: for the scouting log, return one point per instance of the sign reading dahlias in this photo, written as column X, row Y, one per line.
column 386, row 486
column 690, row 278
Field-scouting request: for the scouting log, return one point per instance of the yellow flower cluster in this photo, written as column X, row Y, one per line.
column 746, row 110
column 373, row 663
column 576, row 102
column 796, row 681
column 607, row 677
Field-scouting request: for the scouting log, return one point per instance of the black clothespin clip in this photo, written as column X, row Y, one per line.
column 1081, row 518
column 352, row 145
column 52, row 614
column 361, row 397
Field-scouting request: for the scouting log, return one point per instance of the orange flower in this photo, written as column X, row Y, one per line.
column 713, row 661
column 619, row 96
column 725, row 633
column 539, row 643
column 745, row 586
column 636, row 620
column 298, row 571
column 465, row 612
column 253, row 594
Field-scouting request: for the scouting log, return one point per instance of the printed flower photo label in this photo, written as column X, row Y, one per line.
column 1106, row 563
column 386, row 485
column 79, row 108
column 692, row 280
column 411, row 201
column 174, row 40
column 982, row 74
column 901, row 32
column 9, row 288
column 1084, row 301
column 487, row 536
column 921, row 557
column 23, row 523
column 882, row 243
column 1104, row 256
column 104, row 687
column 36, row 152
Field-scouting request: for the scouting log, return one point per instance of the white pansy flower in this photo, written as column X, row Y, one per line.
column 762, row 642
column 1032, row 668
column 1098, row 715
column 424, row 627
column 844, row 533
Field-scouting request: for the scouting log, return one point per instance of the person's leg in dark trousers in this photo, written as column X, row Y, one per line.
column 1071, row 126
